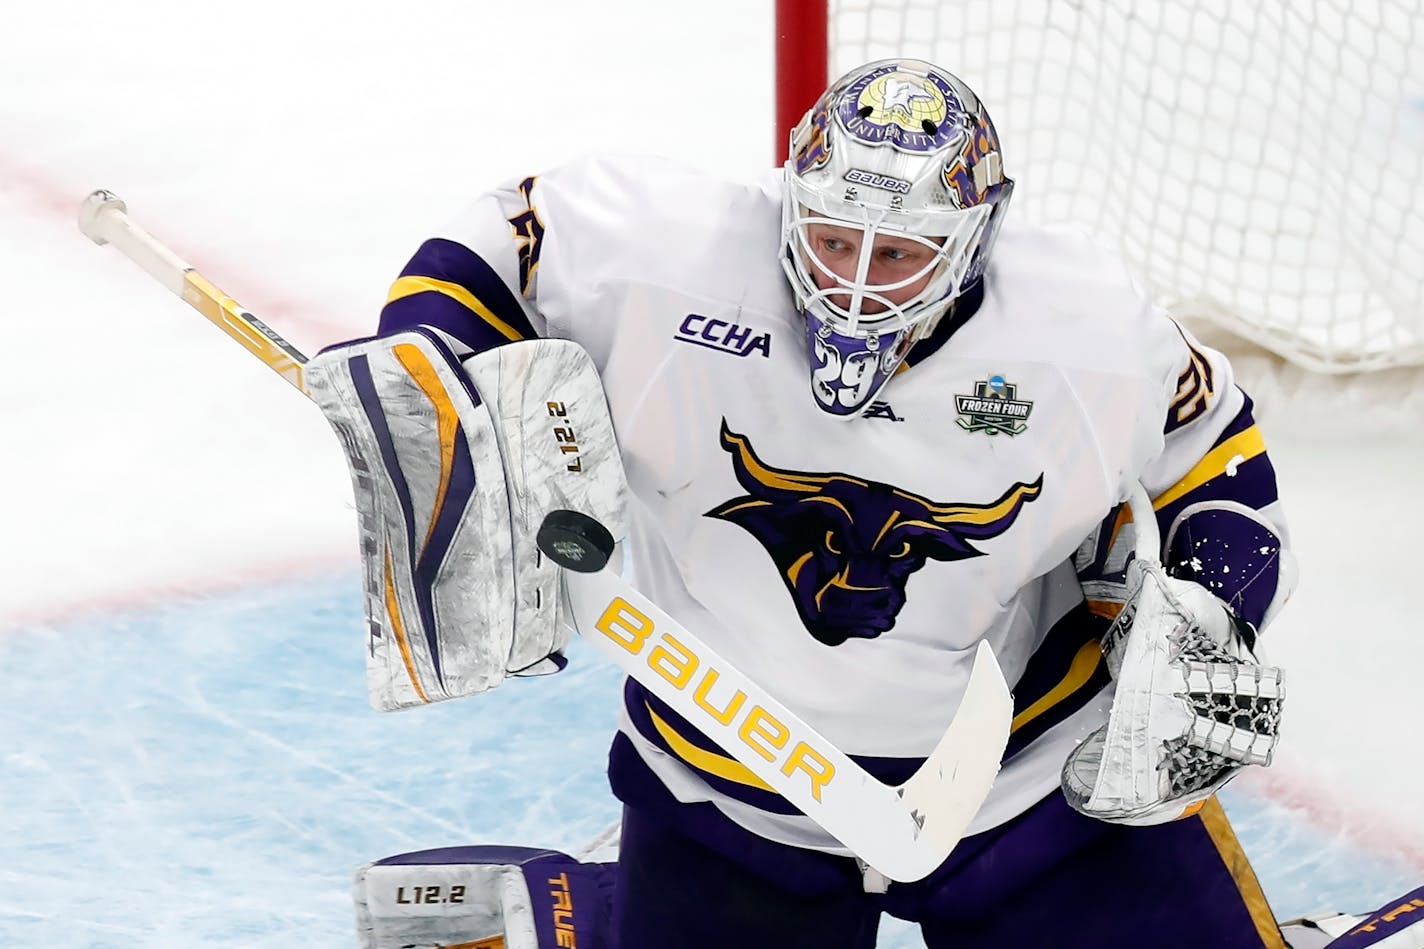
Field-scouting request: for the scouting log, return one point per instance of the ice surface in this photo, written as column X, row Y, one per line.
column 209, row 772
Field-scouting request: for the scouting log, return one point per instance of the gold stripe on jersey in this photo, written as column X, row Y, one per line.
column 729, row 769
column 409, row 286
column 1218, row 828
column 1085, row 662
column 1239, row 448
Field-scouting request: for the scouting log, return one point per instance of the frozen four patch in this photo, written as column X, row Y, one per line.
column 994, row 408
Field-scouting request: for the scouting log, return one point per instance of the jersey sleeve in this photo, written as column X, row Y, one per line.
column 559, row 254
column 1214, row 487
column 477, row 281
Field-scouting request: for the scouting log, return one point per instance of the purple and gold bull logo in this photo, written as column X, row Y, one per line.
column 845, row 546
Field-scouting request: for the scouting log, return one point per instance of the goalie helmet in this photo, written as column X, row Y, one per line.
column 901, row 151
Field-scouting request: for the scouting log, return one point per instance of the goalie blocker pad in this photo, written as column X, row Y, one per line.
column 454, row 464
column 483, row 897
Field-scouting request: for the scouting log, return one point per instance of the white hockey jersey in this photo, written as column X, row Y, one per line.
column 850, row 568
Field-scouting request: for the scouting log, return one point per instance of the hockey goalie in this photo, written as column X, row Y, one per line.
column 876, row 447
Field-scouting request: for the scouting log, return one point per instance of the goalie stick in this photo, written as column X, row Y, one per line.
column 903, row 831
column 104, row 219
column 1148, row 542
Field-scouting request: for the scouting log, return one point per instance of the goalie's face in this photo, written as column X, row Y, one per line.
column 869, row 277
column 869, row 295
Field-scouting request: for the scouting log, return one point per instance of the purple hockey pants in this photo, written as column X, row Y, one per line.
column 689, row 878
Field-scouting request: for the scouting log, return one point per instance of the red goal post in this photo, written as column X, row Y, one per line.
column 1261, row 166
column 801, row 59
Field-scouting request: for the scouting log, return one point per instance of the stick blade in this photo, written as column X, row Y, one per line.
column 952, row 784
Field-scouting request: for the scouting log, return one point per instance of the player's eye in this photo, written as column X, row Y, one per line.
column 830, row 542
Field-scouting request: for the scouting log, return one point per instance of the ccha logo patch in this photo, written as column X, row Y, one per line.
column 722, row 336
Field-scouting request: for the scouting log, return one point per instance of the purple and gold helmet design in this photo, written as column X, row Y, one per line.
column 895, row 148
column 887, row 103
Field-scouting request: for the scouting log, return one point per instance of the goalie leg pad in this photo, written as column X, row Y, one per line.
column 1398, row 924
column 483, row 897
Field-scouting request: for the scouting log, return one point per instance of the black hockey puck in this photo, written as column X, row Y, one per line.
column 575, row 541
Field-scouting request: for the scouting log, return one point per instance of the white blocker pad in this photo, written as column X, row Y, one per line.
column 456, row 594
column 560, row 453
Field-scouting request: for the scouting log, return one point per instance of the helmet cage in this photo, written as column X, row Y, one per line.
column 952, row 240
column 894, row 148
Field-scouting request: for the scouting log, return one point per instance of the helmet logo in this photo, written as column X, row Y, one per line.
column 911, row 112
column 903, row 99
column 809, row 148
column 977, row 167
column 873, row 180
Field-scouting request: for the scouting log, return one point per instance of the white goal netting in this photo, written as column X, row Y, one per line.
column 1261, row 165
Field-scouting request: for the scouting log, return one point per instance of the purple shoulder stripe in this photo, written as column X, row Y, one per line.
column 451, row 263
column 1251, row 482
